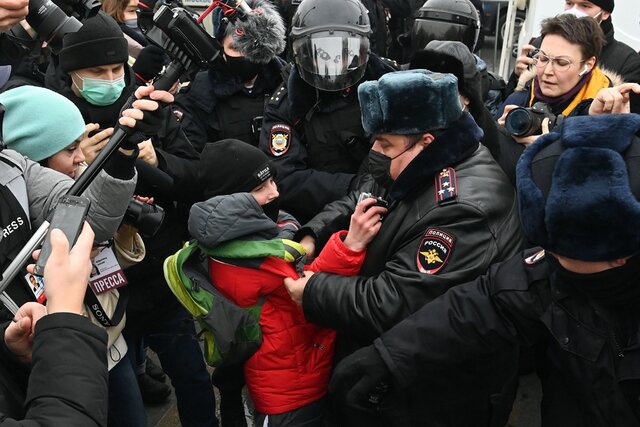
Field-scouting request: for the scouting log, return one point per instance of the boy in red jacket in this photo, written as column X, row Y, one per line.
column 288, row 376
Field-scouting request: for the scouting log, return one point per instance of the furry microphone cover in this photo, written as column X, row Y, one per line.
column 259, row 35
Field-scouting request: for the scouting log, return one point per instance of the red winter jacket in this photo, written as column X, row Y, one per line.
column 292, row 367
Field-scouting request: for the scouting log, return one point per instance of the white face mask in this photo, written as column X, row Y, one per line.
column 581, row 14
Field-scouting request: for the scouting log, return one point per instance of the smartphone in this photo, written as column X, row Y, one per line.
column 68, row 216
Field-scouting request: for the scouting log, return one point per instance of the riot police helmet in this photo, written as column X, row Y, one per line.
column 453, row 20
column 330, row 42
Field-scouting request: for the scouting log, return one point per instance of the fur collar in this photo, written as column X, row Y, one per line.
column 450, row 148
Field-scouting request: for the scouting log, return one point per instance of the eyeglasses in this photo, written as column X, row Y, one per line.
column 558, row 63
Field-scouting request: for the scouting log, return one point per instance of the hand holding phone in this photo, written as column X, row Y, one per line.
column 68, row 216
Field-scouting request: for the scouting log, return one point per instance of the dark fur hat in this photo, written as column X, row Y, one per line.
column 578, row 189
column 409, row 102
column 259, row 36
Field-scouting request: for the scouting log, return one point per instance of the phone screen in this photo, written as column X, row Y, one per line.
column 68, row 216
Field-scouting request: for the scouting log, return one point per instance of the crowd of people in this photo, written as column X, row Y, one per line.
column 405, row 249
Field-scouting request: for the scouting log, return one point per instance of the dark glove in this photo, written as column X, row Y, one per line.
column 361, row 379
column 149, row 63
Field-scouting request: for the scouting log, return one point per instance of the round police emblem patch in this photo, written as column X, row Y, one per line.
column 280, row 136
column 434, row 250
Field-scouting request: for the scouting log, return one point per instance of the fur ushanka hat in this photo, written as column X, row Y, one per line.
column 578, row 188
column 409, row 102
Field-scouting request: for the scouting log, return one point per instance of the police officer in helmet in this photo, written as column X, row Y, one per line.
column 311, row 125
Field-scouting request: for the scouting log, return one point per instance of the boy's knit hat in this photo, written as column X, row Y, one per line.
column 38, row 122
column 232, row 166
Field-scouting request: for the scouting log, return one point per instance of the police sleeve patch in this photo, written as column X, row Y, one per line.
column 280, row 139
column 434, row 250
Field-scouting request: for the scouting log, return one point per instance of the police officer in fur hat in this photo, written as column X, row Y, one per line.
column 578, row 295
column 452, row 213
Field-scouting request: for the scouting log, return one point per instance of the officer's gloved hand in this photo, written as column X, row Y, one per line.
column 148, row 64
column 361, row 379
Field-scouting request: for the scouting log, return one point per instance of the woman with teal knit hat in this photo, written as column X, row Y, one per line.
column 54, row 142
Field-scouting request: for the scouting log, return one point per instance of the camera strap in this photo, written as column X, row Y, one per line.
column 100, row 313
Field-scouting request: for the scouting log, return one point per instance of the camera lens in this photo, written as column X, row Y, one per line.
column 522, row 122
column 51, row 23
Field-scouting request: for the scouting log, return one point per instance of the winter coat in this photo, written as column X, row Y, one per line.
column 67, row 385
column 292, row 367
column 431, row 240
column 316, row 141
column 588, row 372
column 214, row 106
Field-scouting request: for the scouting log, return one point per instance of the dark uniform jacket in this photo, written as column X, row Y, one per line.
column 591, row 375
column 430, row 240
column 315, row 140
column 67, row 385
column 216, row 105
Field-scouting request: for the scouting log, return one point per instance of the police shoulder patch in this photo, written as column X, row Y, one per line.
column 280, row 139
column 535, row 258
column 434, row 250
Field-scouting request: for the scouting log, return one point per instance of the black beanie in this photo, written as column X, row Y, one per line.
column 232, row 166
column 606, row 5
column 100, row 41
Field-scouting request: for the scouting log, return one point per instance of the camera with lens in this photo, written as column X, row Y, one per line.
column 528, row 121
column 146, row 217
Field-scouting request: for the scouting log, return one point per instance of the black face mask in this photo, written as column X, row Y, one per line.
column 272, row 209
column 380, row 167
column 242, row 67
column 614, row 287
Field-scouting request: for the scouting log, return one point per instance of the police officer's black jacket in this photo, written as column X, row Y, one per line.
column 315, row 139
column 591, row 374
column 425, row 247
column 216, row 105
column 67, row 382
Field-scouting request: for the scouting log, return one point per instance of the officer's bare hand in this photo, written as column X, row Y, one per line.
column 614, row 100
column 365, row 224
column 12, row 12
column 524, row 61
column 295, row 287
column 92, row 146
column 18, row 336
column 66, row 273
column 136, row 114
column 309, row 245
column 148, row 153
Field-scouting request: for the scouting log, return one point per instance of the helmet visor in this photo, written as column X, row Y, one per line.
column 331, row 61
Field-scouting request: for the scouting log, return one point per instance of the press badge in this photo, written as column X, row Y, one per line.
column 106, row 273
column 36, row 284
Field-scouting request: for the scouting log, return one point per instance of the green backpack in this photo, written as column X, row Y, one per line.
column 231, row 333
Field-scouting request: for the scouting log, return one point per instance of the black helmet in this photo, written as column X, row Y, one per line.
column 330, row 42
column 454, row 20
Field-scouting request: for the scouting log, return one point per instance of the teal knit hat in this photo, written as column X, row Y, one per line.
column 38, row 122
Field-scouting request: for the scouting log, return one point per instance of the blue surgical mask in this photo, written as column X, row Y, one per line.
column 131, row 23
column 101, row 92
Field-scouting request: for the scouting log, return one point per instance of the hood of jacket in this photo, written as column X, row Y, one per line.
column 230, row 217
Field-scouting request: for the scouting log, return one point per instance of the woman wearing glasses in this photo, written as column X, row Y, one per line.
column 565, row 75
